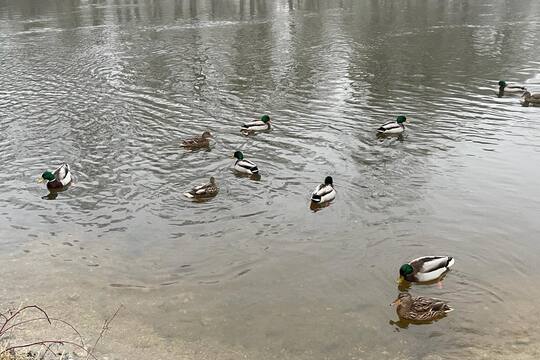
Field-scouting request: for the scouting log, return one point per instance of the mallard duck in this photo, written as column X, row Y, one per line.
column 204, row 190
column 393, row 127
column 58, row 179
column 420, row 308
column 324, row 192
column 426, row 268
column 259, row 125
column 197, row 142
column 244, row 166
column 528, row 98
column 509, row 89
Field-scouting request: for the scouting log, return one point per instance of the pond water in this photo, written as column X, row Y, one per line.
column 113, row 86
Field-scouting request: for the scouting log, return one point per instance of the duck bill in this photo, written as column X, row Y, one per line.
column 400, row 280
column 395, row 302
column 40, row 180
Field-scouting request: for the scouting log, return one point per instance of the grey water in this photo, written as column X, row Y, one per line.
column 113, row 86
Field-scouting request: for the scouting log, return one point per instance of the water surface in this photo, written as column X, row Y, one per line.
column 111, row 87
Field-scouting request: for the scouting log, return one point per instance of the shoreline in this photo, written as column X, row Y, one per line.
column 201, row 321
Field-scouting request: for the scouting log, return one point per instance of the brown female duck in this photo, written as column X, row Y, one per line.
column 420, row 308
column 527, row 98
column 202, row 191
column 198, row 142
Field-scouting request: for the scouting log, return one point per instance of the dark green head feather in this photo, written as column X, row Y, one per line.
column 401, row 119
column 406, row 269
column 47, row 175
column 328, row 181
column 265, row 118
column 239, row 155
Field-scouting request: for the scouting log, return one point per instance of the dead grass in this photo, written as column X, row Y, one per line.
column 56, row 347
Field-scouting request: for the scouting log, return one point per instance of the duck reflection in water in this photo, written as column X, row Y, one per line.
column 391, row 137
column 254, row 177
column 50, row 196
column 313, row 206
column 53, row 194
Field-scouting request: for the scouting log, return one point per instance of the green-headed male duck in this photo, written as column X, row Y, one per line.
column 509, row 89
column 244, row 166
column 58, row 179
column 258, row 125
column 393, row 127
column 425, row 268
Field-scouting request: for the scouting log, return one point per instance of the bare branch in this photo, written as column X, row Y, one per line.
column 10, row 323
column 16, row 313
column 48, row 348
column 103, row 329
column 50, row 321
column 4, row 316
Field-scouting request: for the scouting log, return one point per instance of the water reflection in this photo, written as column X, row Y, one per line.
column 313, row 206
column 119, row 83
column 53, row 194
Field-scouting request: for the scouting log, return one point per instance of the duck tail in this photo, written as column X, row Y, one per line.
column 316, row 198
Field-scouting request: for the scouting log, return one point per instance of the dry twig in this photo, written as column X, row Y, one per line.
column 11, row 323
column 105, row 328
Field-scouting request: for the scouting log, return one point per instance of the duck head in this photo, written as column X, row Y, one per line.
column 328, row 181
column 206, row 135
column 212, row 180
column 238, row 155
column 403, row 297
column 404, row 271
column 502, row 84
column 401, row 119
column 47, row 175
column 265, row 119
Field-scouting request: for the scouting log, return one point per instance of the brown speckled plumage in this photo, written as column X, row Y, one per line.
column 420, row 308
column 204, row 190
column 531, row 98
column 197, row 142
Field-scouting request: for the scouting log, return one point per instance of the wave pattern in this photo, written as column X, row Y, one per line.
column 113, row 88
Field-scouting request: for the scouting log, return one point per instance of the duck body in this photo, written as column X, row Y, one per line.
column 324, row 192
column 258, row 125
column 528, row 98
column 393, row 127
column 60, row 178
column 244, row 166
column 426, row 268
column 206, row 190
column 420, row 308
column 510, row 89
column 197, row 142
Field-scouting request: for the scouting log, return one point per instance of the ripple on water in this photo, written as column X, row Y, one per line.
column 114, row 94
